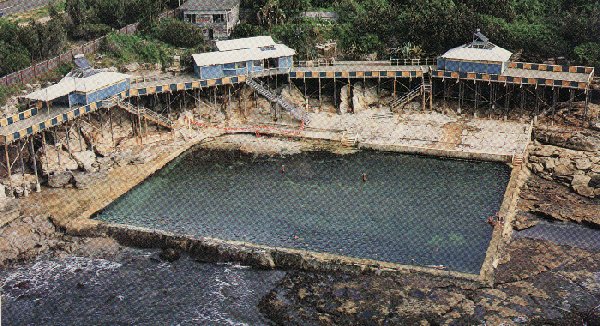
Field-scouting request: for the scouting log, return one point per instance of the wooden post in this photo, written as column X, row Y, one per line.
column 335, row 101
column 20, row 149
column 554, row 100
column 112, row 134
column 587, row 103
column 522, row 98
column 44, row 148
column 32, row 151
column 320, row 99
column 56, row 147
column 395, row 86
column 571, row 98
column 8, row 167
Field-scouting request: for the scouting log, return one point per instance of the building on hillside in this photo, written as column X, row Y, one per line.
column 479, row 56
column 82, row 90
column 217, row 18
column 245, row 43
column 256, row 55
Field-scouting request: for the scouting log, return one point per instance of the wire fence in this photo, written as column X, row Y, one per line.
column 39, row 69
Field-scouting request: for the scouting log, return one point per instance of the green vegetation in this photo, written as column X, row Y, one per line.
column 539, row 28
column 130, row 48
column 7, row 92
column 26, row 39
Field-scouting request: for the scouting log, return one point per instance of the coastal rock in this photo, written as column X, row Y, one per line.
column 170, row 254
column 57, row 160
column 143, row 158
column 2, row 192
column 345, row 99
column 85, row 160
column 578, row 139
column 583, row 163
column 85, row 180
column 60, row 179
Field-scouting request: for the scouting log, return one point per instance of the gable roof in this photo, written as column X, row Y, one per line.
column 68, row 85
column 245, row 43
column 468, row 52
column 242, row 55
column 209, row 5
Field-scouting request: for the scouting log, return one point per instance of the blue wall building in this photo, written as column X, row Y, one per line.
column 479, row 56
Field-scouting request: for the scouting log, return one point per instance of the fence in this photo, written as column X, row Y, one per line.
column 39, row 69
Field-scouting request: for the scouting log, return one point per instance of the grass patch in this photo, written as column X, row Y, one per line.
column 7, row 92
column 36, row 14
column 124, row 49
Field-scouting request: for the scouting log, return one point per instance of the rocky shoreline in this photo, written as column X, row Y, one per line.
column 537, row 282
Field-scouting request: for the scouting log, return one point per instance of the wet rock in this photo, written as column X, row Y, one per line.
column 60, row 179
column 85, row 160
column 170, row 255
column 572, row 138
column 9, row 210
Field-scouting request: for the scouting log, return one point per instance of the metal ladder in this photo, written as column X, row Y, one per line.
column 297, row 113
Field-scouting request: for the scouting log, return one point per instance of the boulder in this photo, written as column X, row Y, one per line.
column 594, row 181
column 563, row 170
column 49, row 161
column 59, row 179
column 132, row 67
column 345, row 100
column 580, row 184
column 85, row 160
column 583, row 164
column 2, row 192
column 170, row 255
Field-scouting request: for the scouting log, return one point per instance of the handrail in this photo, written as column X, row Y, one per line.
column 414, row 62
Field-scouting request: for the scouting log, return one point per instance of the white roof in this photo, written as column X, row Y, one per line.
column 245, row 43
column 466, row 52
column 218, row 58
column 68, row 85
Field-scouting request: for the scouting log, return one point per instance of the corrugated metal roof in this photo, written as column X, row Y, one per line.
column 68, row 85
column 245, row 43
column 242, row 55
column 209, row 4
column 469, row 53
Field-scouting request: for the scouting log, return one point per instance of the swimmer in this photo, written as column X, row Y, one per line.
column 364, row 177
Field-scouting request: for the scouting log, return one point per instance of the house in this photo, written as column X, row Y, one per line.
column 217, row 18
column 479, row 56
column 244, row 56
column 83, row 90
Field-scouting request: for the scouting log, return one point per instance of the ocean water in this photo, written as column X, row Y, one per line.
column 135, row 290
column 411, row 209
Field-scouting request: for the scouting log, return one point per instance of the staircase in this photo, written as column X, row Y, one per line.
column 382, row 115
column 517, row 160
column 297, row 113
column 142, row 112
column 408, row 97
column 350, row 140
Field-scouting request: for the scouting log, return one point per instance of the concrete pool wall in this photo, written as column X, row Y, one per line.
column 272, row 257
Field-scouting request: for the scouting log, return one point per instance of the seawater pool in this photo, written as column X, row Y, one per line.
column 411, row 210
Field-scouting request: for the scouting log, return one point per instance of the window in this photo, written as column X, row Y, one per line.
column 190, row 18
column 220, row 18
column 240, row 65
column 257, row 63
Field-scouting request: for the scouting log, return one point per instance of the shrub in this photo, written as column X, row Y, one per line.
column 178, row 33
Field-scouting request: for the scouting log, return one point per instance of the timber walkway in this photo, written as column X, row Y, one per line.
column 517, row 73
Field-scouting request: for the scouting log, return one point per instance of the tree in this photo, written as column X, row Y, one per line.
column 589, row 53
column 178, row 33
